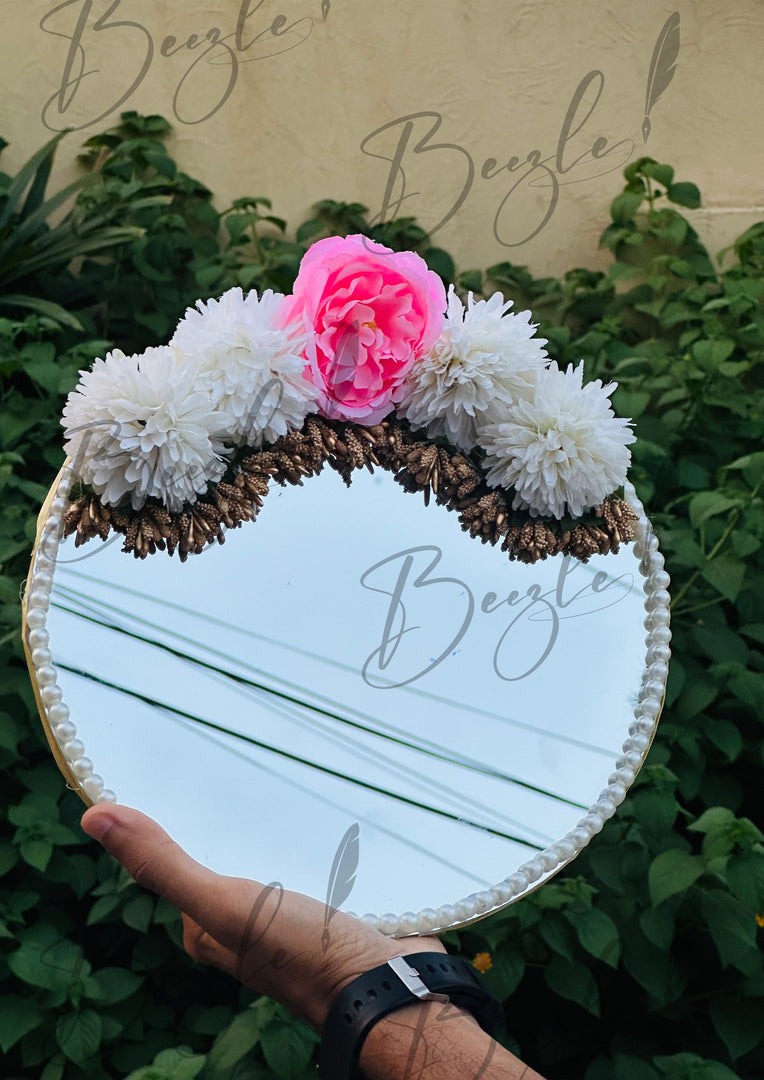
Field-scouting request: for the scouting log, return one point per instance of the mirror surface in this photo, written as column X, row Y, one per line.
column 352, row 657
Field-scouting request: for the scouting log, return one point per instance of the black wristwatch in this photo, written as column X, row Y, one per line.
column 403, row 980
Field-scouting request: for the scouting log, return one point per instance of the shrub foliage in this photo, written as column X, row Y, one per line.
column 641, row 962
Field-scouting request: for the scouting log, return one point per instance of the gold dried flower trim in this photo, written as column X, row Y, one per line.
column 418, row 466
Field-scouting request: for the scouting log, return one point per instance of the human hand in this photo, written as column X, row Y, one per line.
column 266, row 937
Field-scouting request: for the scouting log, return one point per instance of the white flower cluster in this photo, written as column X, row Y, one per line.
column 160, row 425
column 488, row 382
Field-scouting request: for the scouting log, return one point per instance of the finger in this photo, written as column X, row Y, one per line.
column 219, row 904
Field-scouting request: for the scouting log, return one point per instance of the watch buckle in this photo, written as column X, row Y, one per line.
column 410, row 978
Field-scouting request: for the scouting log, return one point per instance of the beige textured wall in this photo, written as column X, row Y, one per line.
column 500, row 73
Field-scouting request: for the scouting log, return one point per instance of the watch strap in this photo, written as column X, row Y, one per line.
column 403, row 980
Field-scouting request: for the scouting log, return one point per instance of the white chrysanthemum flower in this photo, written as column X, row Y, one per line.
column 253, row 367
column 563, row 448
column 140, row 426
column 484, row 360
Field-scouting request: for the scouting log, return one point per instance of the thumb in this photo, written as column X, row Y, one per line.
column 157, row 863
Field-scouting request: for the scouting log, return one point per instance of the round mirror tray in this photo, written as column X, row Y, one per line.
column 353, row 697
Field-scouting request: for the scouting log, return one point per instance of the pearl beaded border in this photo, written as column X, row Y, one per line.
column 79, row 770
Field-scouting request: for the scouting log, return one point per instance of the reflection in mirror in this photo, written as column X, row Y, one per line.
column 353, row 658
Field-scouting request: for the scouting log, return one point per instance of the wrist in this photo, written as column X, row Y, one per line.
column 417, row 1037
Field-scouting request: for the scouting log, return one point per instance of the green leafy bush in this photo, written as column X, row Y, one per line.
column 641, row 962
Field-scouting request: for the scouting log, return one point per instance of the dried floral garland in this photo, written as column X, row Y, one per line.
column 453, row 480
column 368, row 362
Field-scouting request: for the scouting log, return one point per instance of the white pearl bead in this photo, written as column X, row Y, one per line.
column 36, row 618
column 64, row 731
column 57, row 714
column 446, row 915
column 40, row 657
column 653, row 688
column 38, row 638
column 606, row 807
column 46, row 675
column 640, row 742
column 82, row 768
column 548, row 859
column 39, row 599
column 408, row 924
column 107, row 796
column 625, row 776
column 502, row 894
column 565, row 849
column 580, row 837
column 370, row 920
column 645, row 725
column 661, row 635
column 388, row 923
column 464, row 910
column 532, row 870
column 518, row 881
column 657, row 618
column 51, row 695
column 658, row 652
column 617, row 792
column 660, row 581
column 650, row 707
column 43, row 579
column 73, row 749
column 93, row 786
column 428, row 918
column 592, row 821
column 658, row 672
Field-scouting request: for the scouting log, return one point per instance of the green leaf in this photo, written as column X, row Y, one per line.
column 506, row 972
column 711, row 353
column 684, row 194
column 630, row 404
column 624, row 207
column 749, row 687
column 232, row 1044
column 46, row 960
column 664, row 174
column 733, row 928
column 18, row 1016
column 745, row 877
column 36, row 852
column 598, row 934
column 177, row 1063
column 137, row 913
column 738, row 1023
column 655, row 969
column 79, row 1034
column 657, row 924
column 726, row 575
column 688, row 1066
column 707, row 504
column 672, row 872
column 288, row 1047
column 111, row 985
column 574, row 982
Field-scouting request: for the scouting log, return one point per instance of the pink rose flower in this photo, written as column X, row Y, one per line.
column 369, row 313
